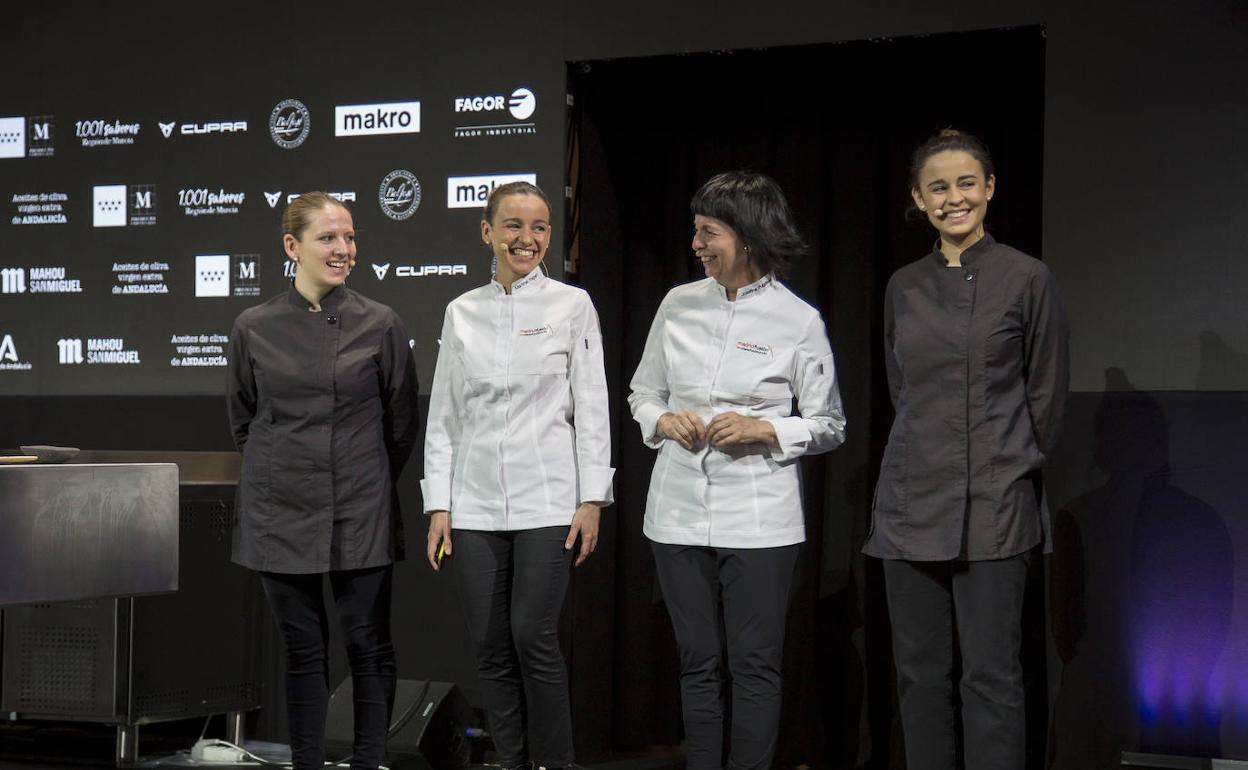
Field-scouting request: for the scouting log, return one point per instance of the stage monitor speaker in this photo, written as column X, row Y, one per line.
column 427, row 727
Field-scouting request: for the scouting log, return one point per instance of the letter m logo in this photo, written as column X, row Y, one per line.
column 246, row 271
column 43, row 131
column 13, row 280
column 143, row 199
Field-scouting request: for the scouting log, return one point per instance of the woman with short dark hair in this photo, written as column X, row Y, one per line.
column 713, row 393
column 976, row 351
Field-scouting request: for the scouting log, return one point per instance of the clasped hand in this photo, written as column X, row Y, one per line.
column 725, row 429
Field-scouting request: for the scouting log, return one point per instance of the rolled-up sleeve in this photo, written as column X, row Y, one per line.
column 400, row 393
column 240, row 397
column 445, row 427
column 648, row 400
column 819, row 425
column 589, row 400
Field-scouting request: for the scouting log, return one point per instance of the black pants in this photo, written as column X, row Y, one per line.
column 750, row 587
column 511, row 586
column 363, row 601
column 985, row 600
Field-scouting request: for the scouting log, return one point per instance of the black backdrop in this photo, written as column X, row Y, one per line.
column 834, row 125
column 1143, row 174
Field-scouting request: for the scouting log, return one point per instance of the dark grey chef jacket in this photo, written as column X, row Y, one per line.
column 323, row 408
column 978, row 366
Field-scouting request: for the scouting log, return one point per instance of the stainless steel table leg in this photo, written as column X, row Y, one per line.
column 127, row 745
column 234, row 727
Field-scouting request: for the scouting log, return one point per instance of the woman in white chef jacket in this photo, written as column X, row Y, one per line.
column 509, row 473
column 714, row 394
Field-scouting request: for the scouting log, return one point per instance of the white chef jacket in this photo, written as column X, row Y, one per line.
column 711, row 355
column 519, row 433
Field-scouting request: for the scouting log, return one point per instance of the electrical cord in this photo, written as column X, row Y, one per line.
column 395, row 727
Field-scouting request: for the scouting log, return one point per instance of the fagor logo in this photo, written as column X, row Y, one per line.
column 520, row 106
column 376, row 119
column 471, row 192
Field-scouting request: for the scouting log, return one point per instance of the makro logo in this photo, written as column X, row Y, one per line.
column 99, row 350
column 119, row 205
column 471, row 192
column 12, row 137
column 376, row 119
column 9, row 359
column 102, row 133
column 520, row 105
column 289, row 123
column 399, row 194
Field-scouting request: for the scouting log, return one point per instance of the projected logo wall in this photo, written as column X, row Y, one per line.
column 135, row 234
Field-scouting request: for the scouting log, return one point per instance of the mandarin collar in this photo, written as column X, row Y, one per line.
column 530, row 283
column 331, row 301
column 970, row 256
column 749, row 290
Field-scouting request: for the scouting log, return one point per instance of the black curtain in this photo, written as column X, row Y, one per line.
column 834, row 124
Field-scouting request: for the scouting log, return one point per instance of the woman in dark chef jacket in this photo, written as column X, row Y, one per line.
column 518, row 463
column 714, row 394
column 322, row 402
column 976, row 351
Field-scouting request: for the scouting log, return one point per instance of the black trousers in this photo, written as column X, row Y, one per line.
column 733, row 599
column 511, row 586
column 985, row 600
column 362, row 598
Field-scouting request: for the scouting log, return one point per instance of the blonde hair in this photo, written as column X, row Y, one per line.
column 298, row 214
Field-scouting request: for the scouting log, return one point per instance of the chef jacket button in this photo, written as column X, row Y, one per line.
column 333, row 319
column 969, row 277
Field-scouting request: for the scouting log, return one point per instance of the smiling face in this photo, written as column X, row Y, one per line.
column 722, row 254
column 518, row 236
column 325, row 251
column 954, row 194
